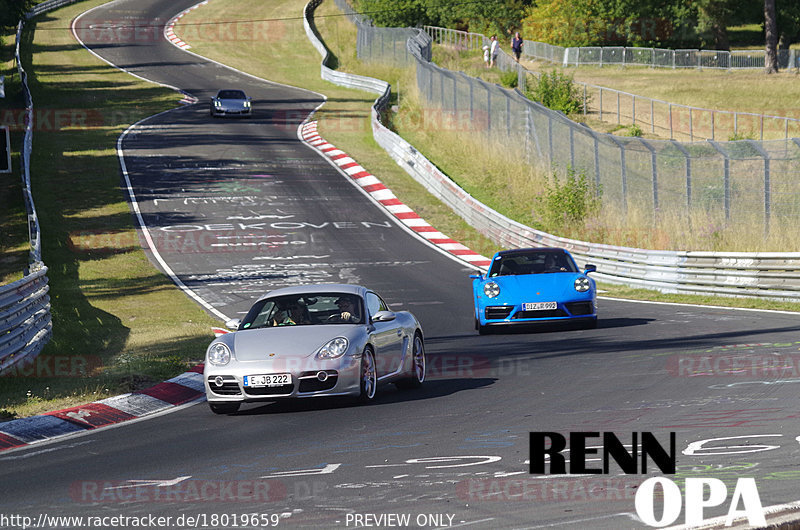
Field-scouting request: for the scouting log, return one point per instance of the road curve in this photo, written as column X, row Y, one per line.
column 451, row 453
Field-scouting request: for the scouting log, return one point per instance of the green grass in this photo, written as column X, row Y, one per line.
column 14, row 243
column 107, row 336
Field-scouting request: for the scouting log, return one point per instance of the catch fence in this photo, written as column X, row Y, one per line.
column 658, row 117
column 723, row 183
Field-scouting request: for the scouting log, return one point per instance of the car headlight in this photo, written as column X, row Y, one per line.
column 582, row 284
column 219, row 354
column 217, row 103
column 333, row 348
column 247, row 104
column 491, row 289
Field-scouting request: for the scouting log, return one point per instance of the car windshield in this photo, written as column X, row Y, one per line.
column 532, row 263
column 231, row 94
column 305, row 310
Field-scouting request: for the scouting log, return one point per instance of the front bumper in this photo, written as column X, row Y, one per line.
column 222, row 111
column 514, row 314
column 225, row 384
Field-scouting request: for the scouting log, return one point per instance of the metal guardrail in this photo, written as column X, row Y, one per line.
column 49, row 5
column 25, row 322
column 769, row 275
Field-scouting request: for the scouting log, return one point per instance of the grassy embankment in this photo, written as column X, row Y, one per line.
column 488, row 172
column 14, row 244
column 119, row 324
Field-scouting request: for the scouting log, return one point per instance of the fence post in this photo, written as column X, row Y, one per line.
column 767, row 192
column 691, row 126
column 671, row 136
column 550, row 137
column 726, row 178
column 652, row 117
column 654, row 171
column 688, row 160
column 712, row 124
column 586, row 105
column 624, row 173
column 572, row 147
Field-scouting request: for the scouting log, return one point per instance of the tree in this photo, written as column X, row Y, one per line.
column 396, row 13
column 11, row 11
column 771, row 34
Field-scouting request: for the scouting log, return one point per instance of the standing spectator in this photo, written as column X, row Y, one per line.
column 486, row 56
column 494, row 51
column 516, row 46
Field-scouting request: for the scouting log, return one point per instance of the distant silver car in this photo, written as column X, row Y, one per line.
column 230, row 102
column 311, row 341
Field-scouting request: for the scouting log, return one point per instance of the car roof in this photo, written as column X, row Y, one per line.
column 518, row 251
column 338, row 288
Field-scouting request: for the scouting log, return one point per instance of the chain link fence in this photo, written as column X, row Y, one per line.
column 724, row 183
column 662, row 118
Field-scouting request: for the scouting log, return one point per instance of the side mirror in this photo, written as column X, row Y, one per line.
column 476, row 276
column 233, row 324
column 590, row 268
column 383, row 316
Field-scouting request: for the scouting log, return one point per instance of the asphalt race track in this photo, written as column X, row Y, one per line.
column 238, row 207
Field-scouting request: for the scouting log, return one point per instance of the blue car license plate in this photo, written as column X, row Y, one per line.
column 539, row 306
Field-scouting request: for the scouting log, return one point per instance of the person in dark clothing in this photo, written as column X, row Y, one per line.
column 516, row 46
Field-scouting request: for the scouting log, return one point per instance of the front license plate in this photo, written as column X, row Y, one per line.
column 539, row 306
column 252, row 381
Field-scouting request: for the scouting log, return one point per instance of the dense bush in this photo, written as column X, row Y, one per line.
column 509, row 79
column 557, row 91
column 567, row 202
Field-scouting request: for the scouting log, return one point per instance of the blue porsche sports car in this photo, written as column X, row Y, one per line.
column 530, row 285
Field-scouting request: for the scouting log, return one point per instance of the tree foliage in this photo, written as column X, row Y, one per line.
column 488, row 16
column 662, row 23
column 11, row 11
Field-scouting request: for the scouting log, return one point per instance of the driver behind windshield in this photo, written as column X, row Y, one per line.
column 348, row 311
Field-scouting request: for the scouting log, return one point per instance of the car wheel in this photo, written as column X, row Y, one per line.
column 417, row 377
column 223, row 408
column 369, row 376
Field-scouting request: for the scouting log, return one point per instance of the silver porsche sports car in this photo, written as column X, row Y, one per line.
column 230, row 103
column 310, row 341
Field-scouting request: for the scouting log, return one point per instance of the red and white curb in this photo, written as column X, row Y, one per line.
column 383, row 195
column 180, row 390
column 169, row 29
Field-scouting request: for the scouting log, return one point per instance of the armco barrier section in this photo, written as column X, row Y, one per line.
column 25, row 323
column 767, row 275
